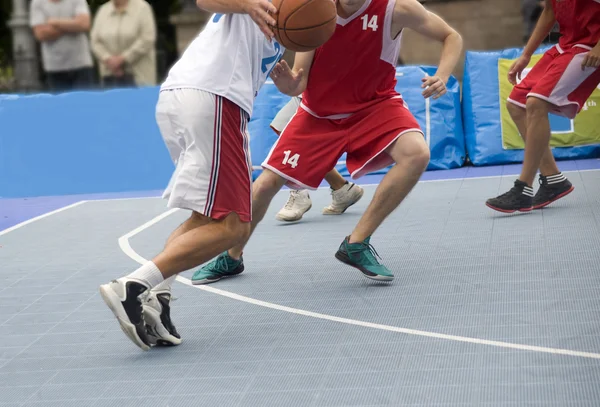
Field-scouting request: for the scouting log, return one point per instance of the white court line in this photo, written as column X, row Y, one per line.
column 45, row 215
column 127, row 249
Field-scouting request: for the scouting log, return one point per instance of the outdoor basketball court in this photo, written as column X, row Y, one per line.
column 486, row 309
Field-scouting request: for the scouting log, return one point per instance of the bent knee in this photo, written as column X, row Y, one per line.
column 267, row 183
column 237, row 230
column 418, row 155
column 537, row 106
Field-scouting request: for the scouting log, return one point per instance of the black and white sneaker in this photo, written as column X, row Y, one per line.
column 552, row 188
column 122, row 297
column 157, row 316
column 519, row 198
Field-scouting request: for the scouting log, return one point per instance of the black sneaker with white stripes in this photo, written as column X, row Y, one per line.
column 122, row 297
column 519, row 198
column 552, row 188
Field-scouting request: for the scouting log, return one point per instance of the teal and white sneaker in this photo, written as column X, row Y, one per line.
column 223, row 266
column 362, row 256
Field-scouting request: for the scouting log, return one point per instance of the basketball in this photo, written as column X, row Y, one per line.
column 303, row 25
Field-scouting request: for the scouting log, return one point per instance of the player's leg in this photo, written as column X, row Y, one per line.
column 157, row 304
column 300, row 158
column 562, row 89
column 299, row 201
column 398, row 140
column 230, row 262
column 344, row 193
column 553, row 183
column 212, row 180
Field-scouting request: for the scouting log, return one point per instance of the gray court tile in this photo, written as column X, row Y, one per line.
column 18, row 394
column 69, row 392
column 62, row 403
column 286, row 398
column 19, row 364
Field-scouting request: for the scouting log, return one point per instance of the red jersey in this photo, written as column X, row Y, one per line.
column 579, row 22
column 356, row 68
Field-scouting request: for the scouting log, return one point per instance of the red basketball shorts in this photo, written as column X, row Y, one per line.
column 558, row 79
column 309, row 147
column 208, row 141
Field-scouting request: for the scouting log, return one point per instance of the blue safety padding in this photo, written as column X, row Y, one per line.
column 481, row 112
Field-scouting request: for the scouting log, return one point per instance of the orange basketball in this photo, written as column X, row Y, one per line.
column 303, row 25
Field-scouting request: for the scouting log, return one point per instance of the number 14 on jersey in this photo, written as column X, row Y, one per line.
column 369, row 22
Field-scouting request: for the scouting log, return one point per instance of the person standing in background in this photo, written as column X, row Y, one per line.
column 61, row 26
column 123, row 41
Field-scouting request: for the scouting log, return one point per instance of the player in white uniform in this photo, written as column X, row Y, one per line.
column 202, row 112
column 344, row 194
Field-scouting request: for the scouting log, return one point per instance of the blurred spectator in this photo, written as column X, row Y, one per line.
column 62, row 26
column 123, row 41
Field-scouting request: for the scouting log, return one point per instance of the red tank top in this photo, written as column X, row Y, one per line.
column 579, row 22
column 356, row 68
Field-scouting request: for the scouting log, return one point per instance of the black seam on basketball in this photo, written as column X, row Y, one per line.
column 278, row 29
column 303, row 28
column 312, row 26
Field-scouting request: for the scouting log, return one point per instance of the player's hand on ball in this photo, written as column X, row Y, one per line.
column 261, row 11
column 517, row 67
column 286, row 80
column 591, row 59
column 434, row 86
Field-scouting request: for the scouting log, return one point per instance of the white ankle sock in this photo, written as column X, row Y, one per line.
column 165, row 285
column 148, row 274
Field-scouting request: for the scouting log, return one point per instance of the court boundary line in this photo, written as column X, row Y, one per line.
column 131, row 253
column 39, row 217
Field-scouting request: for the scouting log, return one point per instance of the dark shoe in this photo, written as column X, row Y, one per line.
column 552, row 188
column 519, row 198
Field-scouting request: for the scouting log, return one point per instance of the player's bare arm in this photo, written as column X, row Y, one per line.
column 411, row 14
column 292, row 82
column 260, row 10
column 79, row 23
column 542, row 29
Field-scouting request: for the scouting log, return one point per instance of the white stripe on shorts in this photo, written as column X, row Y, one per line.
column 246, row 136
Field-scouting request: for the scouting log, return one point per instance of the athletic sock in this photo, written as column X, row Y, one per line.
column 148, row 274
column 165, row 285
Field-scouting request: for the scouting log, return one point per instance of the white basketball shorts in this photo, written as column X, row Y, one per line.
column 208, row 141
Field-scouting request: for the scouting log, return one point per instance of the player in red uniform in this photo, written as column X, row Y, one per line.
column 560, row 83
column 350, row 105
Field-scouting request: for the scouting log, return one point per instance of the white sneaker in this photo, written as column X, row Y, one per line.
column 157, row 316
column 343, row 198
column 123, row 298
column 297, row 205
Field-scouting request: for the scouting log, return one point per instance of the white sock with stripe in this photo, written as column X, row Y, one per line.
column 556, row 178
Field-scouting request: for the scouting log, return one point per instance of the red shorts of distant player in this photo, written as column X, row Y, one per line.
column 309, row 146
column 558, row 79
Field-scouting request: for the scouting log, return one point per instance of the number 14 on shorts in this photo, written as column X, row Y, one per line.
column 289, row 159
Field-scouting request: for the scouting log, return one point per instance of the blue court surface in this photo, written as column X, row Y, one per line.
column 486, row 309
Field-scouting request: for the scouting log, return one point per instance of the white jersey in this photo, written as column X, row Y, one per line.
column 231, row 58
